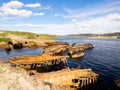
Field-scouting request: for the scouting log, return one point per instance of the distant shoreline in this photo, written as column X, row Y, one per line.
column 115, row 37
column 91, row 35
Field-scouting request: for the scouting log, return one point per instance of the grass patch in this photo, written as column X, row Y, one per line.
column 3, row 34
column 4, row 39
column 27, row 35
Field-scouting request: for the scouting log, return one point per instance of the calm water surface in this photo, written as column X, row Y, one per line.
column 5, row 55
column 104, row 59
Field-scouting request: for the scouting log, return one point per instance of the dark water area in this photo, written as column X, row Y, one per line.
column 5, row 54
column 104, row 59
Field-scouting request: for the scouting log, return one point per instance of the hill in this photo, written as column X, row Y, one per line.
column 6, row 36
column 106, row 35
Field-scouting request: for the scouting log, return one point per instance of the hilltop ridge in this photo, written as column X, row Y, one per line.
column 17, row 35
column 92, row 35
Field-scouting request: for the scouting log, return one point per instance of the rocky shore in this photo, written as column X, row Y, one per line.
column 22, row 44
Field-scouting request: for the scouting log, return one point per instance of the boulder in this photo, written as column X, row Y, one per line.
column 5, row 45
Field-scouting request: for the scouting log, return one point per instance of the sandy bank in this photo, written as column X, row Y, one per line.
column 15, row 78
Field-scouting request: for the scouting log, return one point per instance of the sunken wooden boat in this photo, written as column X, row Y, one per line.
column 34, row 59
column 66, row 77
column 38, row 61
column 75, row 78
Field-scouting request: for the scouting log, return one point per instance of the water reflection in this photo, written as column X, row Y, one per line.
column 7, row 51
column 5, row 54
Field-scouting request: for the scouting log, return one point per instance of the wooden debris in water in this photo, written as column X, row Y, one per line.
column 77, row 51
column 77, row 55
column 55, row 50
column 56, row 43
column 69, row 77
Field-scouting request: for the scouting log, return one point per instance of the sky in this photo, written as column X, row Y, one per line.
column 60, row 17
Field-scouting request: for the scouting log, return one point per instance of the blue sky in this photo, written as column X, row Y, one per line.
column 60, row 16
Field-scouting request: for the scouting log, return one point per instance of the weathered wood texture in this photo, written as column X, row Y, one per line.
column 68, row 78
column 77, row 51
column 34, row 59
column 56, row 43
column 55, row 50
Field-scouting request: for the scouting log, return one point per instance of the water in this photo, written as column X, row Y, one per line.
column 5, row 55
column 104, row 59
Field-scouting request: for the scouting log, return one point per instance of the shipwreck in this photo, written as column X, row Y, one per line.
column 54, row 65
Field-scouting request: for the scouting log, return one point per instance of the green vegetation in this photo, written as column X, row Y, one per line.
column 3, row 34
column 3, row 39
column 26, row 35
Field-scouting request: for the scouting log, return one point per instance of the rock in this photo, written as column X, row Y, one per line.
column 5, row 45
column 10, row 43
column 1, row 61
column 33, row 44
column 18, row 46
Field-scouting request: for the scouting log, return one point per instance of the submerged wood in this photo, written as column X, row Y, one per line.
column 77, row 51
column 56, row 43
column 77, row 55
column 69, row 77
column 55, row 50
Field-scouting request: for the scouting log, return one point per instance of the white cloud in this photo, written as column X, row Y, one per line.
column 16, row 12
column 1, row 14
column 91, row 11
column 36, row 5
column 13, row 4
column 109, row 23
column 14, row 8
column 29, row 25
column 39, row 14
